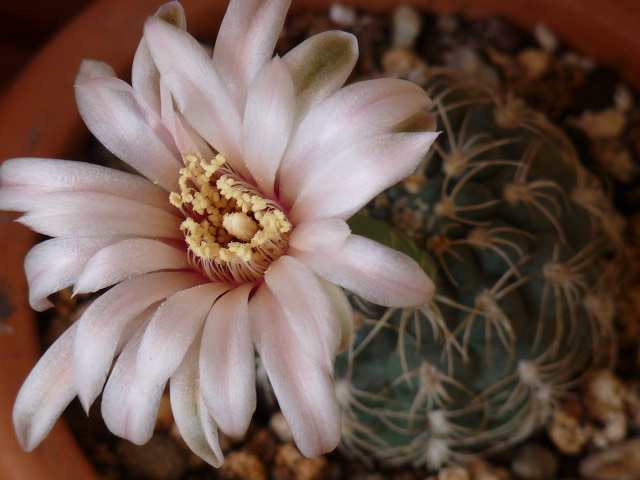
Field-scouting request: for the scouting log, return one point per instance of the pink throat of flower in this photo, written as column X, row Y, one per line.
column 232, row 232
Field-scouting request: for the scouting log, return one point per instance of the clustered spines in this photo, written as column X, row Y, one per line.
column 525, row 297
column 232, row 232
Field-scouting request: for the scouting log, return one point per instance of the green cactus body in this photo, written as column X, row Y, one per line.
column 522, row 243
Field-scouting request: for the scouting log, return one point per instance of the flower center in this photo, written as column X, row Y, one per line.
column 232, row 232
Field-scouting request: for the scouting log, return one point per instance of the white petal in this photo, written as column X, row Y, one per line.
column 377, row 273
column 93, row 213
column 190, row 413
column 129, row 404
column 268, row 119
column 308, row 307
column 188, row 141
column 227, row 365
column 24, row 181
column 304, row 387
column 173, row 328
column 323, row 235
column 344, row 312
column 319, row 66
column 145, row 77
column 46, row 393
column 128, row 258
column 55, row 264
column 104, row 325
column 123, row 122
column 247, row 37
column 197, row 88
column 340, row 186
column 353, row 114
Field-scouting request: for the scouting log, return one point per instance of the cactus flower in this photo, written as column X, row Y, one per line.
column 233, row 239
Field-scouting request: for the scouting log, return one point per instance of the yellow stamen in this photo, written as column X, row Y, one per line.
column 232, row 233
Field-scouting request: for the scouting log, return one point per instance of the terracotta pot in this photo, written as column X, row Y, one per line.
column 38, row 118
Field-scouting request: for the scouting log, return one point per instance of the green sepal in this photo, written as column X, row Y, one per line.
column 385, row 234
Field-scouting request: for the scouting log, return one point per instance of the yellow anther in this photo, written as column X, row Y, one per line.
column 226, row 222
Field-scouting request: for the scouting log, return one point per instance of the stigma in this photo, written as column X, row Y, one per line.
column 232, row 233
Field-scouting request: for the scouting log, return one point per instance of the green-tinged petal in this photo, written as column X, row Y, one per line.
column 385, row 234
column 320, row 65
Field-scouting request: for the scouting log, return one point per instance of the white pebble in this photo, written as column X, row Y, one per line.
column 342, row 15
column 278, row 425
column 407, row 24
column 623, row 98
column 545, row 37
column 620, row 462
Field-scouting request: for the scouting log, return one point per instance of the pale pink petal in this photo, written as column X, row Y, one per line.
column 46, row 393
column 319, row 66
column 103, row 326
column 92, row 214
column 55, row 264
column 343, row 310
column 123, row 122
column 192, row 418
column 247, row 37
column 268, row 119
column 303, row 387
column 24, row 181
column 323, row 235
column 343, row 184
column 173, row 328
column 197, row 88
column 308, row 307
column 375, row 272
column 145, row 77
column 129, row 404
column 227, row 365
column 352, row 115
column 188, row 141
column 128, row 258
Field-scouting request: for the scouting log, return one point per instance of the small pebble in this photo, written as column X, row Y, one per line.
column 453, row 473
column 605, row 124
column 545, row 37
column 623, row 98
column 468, row 60
column 342, row 15
column 534, row 462
column 160, row 458
column 278, row 425
column 263, row 444
column 402, row 63
column 406, row 26
column 535, row 62
column 613, row 430
column 448, row 24
column 604, row 395
column 616, row 160
column 568, row 431
column 618, row 462
column 290, row 464
column 240, row 465
column 482, row 470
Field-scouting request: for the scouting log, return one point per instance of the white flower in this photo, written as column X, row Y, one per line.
column 235, row 238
